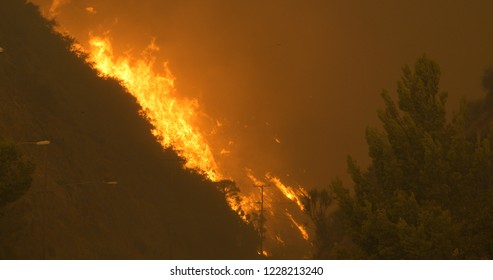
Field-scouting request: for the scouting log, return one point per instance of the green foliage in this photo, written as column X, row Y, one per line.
column 15, row 174
column 428, row 190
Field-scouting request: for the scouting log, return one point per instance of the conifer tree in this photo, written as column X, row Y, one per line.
column 428, row 191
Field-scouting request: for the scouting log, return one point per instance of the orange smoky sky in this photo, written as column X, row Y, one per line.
column 293, row 84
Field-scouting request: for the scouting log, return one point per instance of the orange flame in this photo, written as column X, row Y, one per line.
column 170, row 117
column 172, row 120
column 288, row 192
column 264, row 253
column 254, row 179
column 301, row 228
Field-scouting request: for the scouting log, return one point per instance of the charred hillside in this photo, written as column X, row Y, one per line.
column 157, row 209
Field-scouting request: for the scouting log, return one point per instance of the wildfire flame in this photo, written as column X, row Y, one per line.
column 170, row 117
column 300, row 227
column 255, row 180
column 288, row 192
column 172, row 120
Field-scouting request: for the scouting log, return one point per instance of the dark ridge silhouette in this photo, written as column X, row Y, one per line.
column 156, row 211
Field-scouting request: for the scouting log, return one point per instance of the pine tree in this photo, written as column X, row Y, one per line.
column 427, row 193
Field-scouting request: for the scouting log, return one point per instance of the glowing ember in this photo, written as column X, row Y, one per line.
column 264, row 253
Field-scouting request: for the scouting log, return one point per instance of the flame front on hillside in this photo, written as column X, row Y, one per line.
column 170, row 117
column 172, row 120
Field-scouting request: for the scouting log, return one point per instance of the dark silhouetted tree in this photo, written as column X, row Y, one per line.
column 488, row 81
column 15, row 173
column 428, row 190
column 319, row 205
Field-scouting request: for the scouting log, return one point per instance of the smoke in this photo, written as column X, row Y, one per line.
column 55, row 6
column 488, row 81
column 288, row 87
column 293, row 83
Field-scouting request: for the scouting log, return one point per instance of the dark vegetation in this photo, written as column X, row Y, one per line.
column 428, row 191
column 15, row 173
column 157, row 210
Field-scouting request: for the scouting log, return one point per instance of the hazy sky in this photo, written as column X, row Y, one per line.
column 308, row 73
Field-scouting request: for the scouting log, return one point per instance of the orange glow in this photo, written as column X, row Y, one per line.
column 91, row 10
column 301, row 228
column 254, row 179
column 170, row 117
column 172, row 120
column 288, row 192
column 280, row 240
column 264, row 253
column 55, row 7
column 251, row 203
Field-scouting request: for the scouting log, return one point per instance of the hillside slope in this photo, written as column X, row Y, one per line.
column 157, row 210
